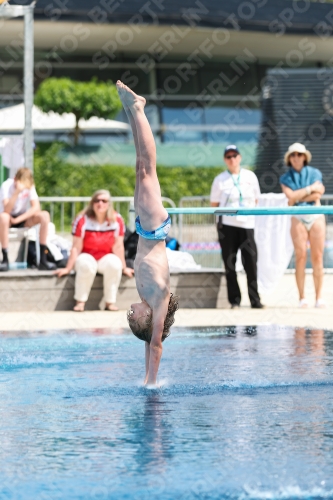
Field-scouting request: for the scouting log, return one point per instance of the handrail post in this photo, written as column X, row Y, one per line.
column 180, row 224
column 131, row 218
column 28, row 84
column 73, row 211
column 62, row 217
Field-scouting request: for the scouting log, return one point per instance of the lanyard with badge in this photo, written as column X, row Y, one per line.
column 240, row 218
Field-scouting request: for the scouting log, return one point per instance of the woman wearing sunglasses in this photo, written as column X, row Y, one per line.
column 98, row 247
column 303, row 185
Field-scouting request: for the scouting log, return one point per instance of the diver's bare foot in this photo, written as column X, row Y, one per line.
column 79, row 307
column 122, row 94
column 130, row 98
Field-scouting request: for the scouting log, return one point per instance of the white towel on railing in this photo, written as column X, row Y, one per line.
column 275, row 247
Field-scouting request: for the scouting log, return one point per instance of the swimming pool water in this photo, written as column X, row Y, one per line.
column 243, row 413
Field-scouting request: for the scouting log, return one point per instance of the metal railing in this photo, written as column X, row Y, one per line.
column 187, row 228
column 201, row 229
column 196, row 228
column 64, row 209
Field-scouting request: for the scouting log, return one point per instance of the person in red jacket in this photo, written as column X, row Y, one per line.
column 98, row 247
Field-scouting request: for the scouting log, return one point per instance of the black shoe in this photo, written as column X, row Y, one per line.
column 234, row 306
column 4, row 266
column 259, row 305
column 47, row 266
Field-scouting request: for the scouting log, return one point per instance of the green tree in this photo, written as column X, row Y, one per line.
column 83, row 99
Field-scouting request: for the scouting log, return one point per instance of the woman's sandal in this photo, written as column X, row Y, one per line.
column 79, row 307
column 303, row 304
column 321, row 304
column 111, row 307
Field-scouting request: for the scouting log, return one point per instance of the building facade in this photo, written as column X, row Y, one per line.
column 202, row 65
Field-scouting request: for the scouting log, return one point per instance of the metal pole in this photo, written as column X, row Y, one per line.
column 62, row 217
column 2, row 177
column 28, row 84
column 131, row 219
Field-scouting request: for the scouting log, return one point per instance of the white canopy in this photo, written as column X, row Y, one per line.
column 12, row 120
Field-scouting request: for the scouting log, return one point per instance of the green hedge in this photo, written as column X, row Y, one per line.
column 54, row 177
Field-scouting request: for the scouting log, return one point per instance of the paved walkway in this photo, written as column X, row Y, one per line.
column 281, row 310
column 185, row 317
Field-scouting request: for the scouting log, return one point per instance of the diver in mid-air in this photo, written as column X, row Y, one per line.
column 151, row 319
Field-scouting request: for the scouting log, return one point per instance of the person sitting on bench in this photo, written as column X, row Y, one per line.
column 20, row 207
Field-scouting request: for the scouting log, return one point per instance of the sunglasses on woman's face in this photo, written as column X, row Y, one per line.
column 296, row 154
column 101, row 200
column 230, row 156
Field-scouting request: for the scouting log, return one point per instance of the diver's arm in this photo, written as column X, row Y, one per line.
column 155, row 348
column 147, row 351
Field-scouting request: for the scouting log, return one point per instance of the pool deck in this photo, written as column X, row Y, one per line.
column 281, row 309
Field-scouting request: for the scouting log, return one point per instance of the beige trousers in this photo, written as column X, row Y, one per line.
column 86, row 268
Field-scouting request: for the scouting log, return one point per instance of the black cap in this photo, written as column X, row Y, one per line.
column 231, row 147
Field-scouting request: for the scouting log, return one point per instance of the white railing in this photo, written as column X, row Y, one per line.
column 64, row 209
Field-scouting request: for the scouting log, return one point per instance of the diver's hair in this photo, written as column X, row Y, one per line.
column 144, row 331
column 89, row 211
column 25, row 176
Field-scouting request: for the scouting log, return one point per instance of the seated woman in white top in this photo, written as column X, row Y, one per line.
column 20, row 207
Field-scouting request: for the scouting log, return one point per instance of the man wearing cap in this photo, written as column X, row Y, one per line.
column 237, row 187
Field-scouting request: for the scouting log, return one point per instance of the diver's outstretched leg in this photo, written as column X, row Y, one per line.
column 148, row 192
column 135, row 137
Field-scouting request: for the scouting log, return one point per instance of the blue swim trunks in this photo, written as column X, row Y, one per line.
column 159, row 234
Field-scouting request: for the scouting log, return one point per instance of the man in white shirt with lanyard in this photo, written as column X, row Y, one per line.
column 237, row 187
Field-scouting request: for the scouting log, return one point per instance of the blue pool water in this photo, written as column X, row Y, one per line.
column 243, row 413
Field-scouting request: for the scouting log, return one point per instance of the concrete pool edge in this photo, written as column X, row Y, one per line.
column 284, row 316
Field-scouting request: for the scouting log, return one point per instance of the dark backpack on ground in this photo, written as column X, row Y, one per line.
column 131, row 245
column 32, row 257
